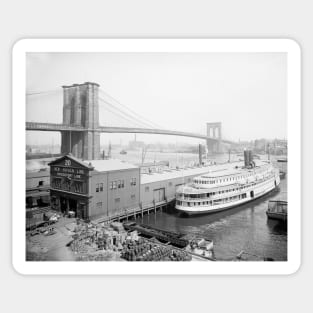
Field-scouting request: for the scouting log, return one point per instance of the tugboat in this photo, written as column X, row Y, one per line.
column 277, row 209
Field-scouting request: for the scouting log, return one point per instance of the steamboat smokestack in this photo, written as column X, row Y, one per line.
column 248, row 158
column 200, row 154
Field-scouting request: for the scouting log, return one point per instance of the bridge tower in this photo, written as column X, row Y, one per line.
column 214, row 130
column 81, row 108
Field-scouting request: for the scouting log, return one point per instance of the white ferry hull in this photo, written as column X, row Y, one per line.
column 273, row 184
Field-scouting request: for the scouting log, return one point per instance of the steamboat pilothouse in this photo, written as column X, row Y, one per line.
column 227, row 185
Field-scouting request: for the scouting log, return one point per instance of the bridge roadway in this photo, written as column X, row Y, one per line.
column 108, row 129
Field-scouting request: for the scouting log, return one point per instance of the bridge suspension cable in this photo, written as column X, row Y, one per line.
column 134, row 119
column 120, row 113
column 37, row 93
column 138, row 116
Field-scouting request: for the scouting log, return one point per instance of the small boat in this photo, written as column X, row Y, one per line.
column 277, row 209
column 282, row 160
column 200, row 246
column 282, row 174
column 247, row 256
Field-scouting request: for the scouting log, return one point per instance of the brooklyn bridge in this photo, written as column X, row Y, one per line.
column 80, row 130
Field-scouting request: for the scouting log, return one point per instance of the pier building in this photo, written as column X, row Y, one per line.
column 112, row 189
column 93, row 188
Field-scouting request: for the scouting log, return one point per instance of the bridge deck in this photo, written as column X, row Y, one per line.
column 106, row 129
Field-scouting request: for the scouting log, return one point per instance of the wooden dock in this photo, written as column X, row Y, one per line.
column 135, row 212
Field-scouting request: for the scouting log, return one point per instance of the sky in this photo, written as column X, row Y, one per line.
column 247, row 92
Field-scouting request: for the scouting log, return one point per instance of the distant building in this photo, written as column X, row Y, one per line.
column 134, row 145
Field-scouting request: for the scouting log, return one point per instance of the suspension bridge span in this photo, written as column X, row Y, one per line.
column 80, row 130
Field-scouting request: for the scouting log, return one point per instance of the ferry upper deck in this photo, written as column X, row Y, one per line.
column 228, row 174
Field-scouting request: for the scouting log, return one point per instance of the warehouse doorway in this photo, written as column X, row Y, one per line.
column 73, row 205
column 159, row 195
column 63, row 204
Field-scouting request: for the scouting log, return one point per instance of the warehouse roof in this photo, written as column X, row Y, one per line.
column 109, row 165
column 174, row 173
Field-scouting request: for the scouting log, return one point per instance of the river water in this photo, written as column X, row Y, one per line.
column 244, row 228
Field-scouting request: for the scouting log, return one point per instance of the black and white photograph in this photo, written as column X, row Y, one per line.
column 156, row 157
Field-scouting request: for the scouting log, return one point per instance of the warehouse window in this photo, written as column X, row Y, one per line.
column 170, row 184
column 147, row 188
column 78, row 187
column 97, row 187
column 67, row 185
column 133, row 182
column 114, row 185
column 99, row 205
column 40, row 183
column 101, row 187
column 111, row 185
column 117, row 200
column 133, row 197
column 120, row 184
column 56, row 183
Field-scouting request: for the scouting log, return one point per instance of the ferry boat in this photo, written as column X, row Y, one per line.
column 227, row 185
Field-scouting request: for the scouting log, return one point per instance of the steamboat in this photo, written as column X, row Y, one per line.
column 227, row 185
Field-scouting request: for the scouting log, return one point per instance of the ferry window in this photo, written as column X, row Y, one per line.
column 147, row 189
column 101, row 187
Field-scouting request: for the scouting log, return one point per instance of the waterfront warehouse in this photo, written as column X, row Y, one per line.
column 161, row 186
column 93, row 188
column 37, row 188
